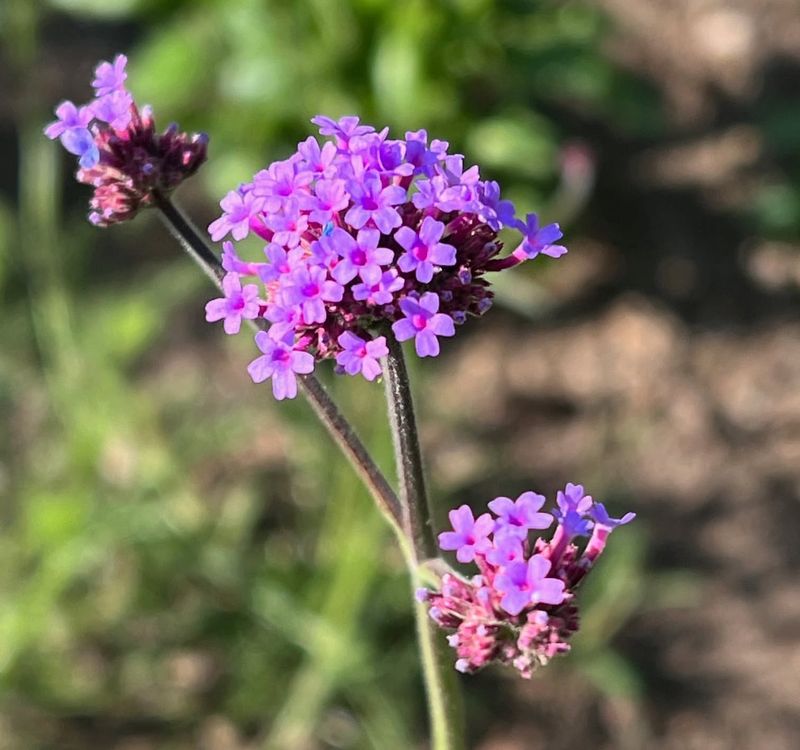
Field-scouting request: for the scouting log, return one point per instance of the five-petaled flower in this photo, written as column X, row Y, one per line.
column 360, row 356
column 423, row 251
column 281, row 362
column 239, row 303
column 469, row 536
column 423, row 323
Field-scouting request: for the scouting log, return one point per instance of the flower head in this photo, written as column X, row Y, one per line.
column 365, row 233
column 521, row 608
column 119, row 152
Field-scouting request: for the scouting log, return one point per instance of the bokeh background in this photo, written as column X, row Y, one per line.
column 186, row 564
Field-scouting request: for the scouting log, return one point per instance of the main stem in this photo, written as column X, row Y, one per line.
column 323, row 405
column 444, row 698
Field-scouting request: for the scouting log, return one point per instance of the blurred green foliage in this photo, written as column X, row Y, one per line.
column 173, row 547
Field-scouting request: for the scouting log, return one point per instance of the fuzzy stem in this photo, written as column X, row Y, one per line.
column 443, row 692
column 323, row 405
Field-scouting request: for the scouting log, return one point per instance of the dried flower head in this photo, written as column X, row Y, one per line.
column 520, row 609
column 120, row 154
column 372, row 237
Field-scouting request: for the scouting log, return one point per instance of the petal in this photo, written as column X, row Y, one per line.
column 370, row 368
column 450, row 540
column 502, row 506
column 427, row 345
column 443, row 255
column 404, row 330
column 232, row 324
column 261, row 368
column 284, row 384
column 461, row 519
column 424, row 271
column 538, row 568
column 442, row 325
column 554, row 251
column 431, row 231
column 302, row 363
column 216, row 309
column 550, row 591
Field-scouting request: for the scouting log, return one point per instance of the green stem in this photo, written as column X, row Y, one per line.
column 443, row 693
column 323, row 405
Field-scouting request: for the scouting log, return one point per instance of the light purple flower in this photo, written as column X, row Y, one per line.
column 329, row 197
column 381, row 293
column 110, row 77
column 232, row 262
column 601, row 518
column 279, row 262
column 288, row 226
column 517, row 517
column 279, row 183
column 114, row 109
column 538, row 239
column 344, row 129
column 429, row 192
column 315, row 159
column 238, row 304
column 284, row 318
column 423, row 323
column 373, row 202
column 506, row 549
column 360, row 256
column 311, row 288
column 524, row 584
column 360, row 355
column 469, row 536
column 423, row 250
column 280, row 361
column 238, row 208
column 573, row 507
column 69, row 117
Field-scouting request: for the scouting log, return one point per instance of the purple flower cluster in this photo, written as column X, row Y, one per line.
column 520, row 609
column 367, row 236
column 119, row 152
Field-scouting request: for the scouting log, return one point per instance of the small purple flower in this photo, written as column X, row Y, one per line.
column 81, row 142
column 523, row 584
column 288, row 226
column 429, row 192
column 495, row 212
column 110, row 77
column 601, row 518
column 315, row 159
column 232, row 262
column 538, row 239
column 507, row 548
column 517, row 517
column 344, row 129
column 69, row 117
column 469, row 536
column 423, row 250
column 373, row 202
column 114, row 109
column 573, row 507
column 238, row 208
column 284, row 318
column 279, row 262
column 423, row 323
column 381, row 293
column 280, row 183
column 280, row 361
column 358, row 257
column 330, row 197
column 360, row 355
column 311, row 288
column 238, row 304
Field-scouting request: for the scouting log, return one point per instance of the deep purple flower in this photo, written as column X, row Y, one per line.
column 373, row 202
column 573, row 508
column 423, row 250
column 423, row 323
column 358, row 257
column 523, row 584
column 538, row 239
column 360, row 355
column 469, row 536
column 382, row 292
column 238, row 208
column 110, row 77
column 311, row 288
column 69, row 117
column 495, row 212
column 80, row 141
column 517, row 517
column 239, row 303
column 280, row 361
column 600, row 515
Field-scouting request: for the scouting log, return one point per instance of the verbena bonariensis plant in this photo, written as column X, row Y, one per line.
column 368, row 242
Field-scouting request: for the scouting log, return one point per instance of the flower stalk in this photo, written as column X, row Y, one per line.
column 441, row 683
column 323, row 405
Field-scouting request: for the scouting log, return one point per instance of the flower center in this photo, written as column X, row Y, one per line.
column 310, row 290
column 419, row 322
column 358, row 257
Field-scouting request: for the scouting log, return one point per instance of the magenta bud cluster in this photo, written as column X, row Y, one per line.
column 520, row 608
column 119, row 152
column 365, row 237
